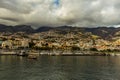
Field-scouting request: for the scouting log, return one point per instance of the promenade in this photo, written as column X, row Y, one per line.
column 61, row 53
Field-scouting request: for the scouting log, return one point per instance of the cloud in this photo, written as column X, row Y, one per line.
column 82, row 13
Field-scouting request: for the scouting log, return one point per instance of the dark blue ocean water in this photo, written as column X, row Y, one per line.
column 60, row 68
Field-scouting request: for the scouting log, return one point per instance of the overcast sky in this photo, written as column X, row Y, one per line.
column 82, row 13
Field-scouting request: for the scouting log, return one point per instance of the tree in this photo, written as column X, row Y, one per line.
column 75, row 48
column 31, row 44
column 93, row 49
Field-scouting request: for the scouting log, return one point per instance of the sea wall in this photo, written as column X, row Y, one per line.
column 61, row 53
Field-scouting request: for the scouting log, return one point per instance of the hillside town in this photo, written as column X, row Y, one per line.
column 56, row 40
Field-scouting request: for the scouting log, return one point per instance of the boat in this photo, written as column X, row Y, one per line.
column 32, row 57
column 22, row 53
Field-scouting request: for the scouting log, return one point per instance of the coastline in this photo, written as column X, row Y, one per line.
column 62, row 53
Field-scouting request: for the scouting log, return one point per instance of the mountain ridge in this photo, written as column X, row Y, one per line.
column 103, row 32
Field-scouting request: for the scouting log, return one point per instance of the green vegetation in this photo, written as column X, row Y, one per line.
column 75, row 48
column 93, row 49
column 42, row 48
column 31, row 44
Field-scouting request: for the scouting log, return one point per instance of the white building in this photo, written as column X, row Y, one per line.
column 7, row 44
column 24, row 43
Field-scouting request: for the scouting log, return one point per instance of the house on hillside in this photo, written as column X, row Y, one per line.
column 24, row 43
column 7, row 44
